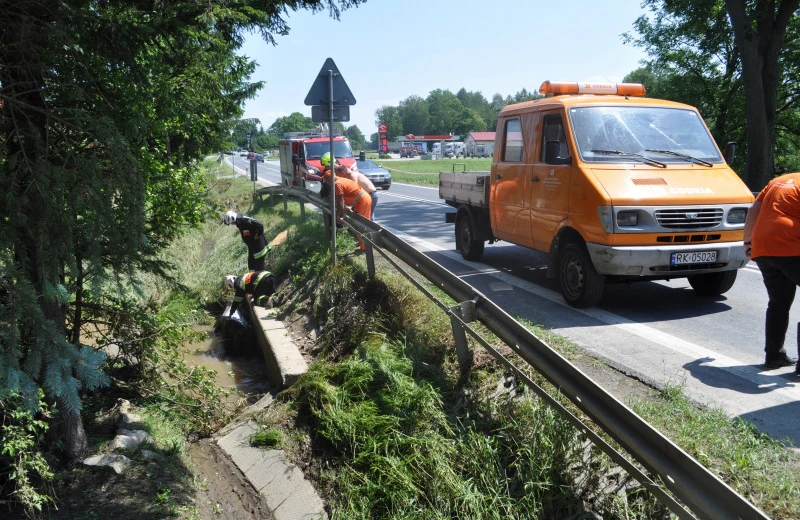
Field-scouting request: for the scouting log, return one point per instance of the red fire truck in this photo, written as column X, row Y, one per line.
column 300, row 158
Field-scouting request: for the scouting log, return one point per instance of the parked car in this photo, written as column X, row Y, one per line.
column 379, row 175
column 260, row 157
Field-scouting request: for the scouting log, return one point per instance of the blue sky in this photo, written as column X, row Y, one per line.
column 388, row 50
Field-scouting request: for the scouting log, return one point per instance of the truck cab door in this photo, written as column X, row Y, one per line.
column 298, row 151
column 510, row 211
column 550, row 179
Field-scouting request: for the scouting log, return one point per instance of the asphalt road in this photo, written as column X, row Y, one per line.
column 659, row 332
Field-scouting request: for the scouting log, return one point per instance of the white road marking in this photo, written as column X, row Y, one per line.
column 415, row 199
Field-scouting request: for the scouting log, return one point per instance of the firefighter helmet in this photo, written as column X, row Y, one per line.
column 230, row 217
column 325, row 160
column 230, row 281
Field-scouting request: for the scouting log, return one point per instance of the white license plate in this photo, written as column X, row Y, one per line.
column 696, row 257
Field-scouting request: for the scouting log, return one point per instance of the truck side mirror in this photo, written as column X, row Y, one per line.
column 552, row 149
column 362, row 156
column 730, row 152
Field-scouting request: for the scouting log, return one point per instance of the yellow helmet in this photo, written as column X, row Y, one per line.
column 325, row 160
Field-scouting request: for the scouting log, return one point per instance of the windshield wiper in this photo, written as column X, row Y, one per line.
column 642, row 158
column 682, row 156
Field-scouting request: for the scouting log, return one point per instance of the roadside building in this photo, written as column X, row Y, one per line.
column 480, row 144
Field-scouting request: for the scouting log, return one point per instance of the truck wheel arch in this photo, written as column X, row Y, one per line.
column 565, row 236
column 570, row 264
column 473, row 227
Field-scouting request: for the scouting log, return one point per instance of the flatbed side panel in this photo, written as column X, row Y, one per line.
column 471, row 188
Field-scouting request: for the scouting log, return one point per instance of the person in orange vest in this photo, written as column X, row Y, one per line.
column 771, row 240
column 362, row 180
column 258, row 284
column 350, row 194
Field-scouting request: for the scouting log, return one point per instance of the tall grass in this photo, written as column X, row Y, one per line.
column 400, row 452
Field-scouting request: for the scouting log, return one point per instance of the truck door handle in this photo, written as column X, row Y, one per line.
column 534, row 179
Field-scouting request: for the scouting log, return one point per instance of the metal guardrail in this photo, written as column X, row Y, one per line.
column 702, row 492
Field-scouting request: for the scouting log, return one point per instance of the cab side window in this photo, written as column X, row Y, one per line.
column 512, row 141
column 553, row 131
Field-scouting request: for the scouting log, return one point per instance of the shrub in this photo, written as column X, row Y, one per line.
column 24, row 472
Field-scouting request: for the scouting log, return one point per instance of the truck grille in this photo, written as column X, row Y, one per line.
column 689, row 218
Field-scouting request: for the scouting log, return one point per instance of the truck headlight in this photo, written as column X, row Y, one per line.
column 737, row 215
column 606, row 213
column 627, row 218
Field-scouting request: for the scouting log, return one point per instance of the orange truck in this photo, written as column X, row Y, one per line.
column 300, row 157
column 615, row 187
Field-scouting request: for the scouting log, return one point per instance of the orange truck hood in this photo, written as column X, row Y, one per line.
column 696, row 184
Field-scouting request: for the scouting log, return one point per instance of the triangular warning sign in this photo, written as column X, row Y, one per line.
column 320, row 90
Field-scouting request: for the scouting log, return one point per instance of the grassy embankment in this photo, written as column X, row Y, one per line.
column 385, row 423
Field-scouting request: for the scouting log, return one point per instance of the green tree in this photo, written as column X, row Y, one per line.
column 496, row 105
column 478, row 103
column 295, row 122
column 736, row 50
column 105, row 108
column 469, row 121
column 445, row 111
column 356, row 137
column 414, row 112
column 699, row 46
column 693, row 60
column 390, row 116
column 759, row 28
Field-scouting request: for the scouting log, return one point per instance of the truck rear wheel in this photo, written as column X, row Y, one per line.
column 466, row 243
column 713, row 284
column 581, row 285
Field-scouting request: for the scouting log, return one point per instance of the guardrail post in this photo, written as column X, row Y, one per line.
column 465, row 311
column 370, row 258
column 302, row 209
column 326, row 219
column 285, row 201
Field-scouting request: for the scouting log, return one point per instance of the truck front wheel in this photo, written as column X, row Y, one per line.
column 713, row 284
column 466, row 243
column 581, row 285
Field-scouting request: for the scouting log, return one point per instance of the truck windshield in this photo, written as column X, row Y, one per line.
column 607, row 133
column 341, row 149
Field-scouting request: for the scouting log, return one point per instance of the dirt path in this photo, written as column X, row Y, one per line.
column 224, row 493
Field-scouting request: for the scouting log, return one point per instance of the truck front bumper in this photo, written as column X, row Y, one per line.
column 654, row 261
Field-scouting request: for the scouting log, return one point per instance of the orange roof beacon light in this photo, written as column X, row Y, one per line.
column 553, row 88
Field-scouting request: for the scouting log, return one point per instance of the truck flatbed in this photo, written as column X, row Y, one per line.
column 465, row 188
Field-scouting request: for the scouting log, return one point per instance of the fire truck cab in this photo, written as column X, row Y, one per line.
column 300, row 156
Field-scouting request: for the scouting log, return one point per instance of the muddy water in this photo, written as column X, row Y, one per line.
column 247, row 373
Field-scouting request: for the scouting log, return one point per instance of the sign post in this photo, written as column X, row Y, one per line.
column 254, row 175
column 330, row 100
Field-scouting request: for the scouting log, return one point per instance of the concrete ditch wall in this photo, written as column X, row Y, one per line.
column 281, row 484
column 284, row 362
